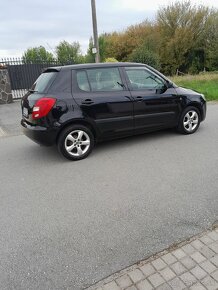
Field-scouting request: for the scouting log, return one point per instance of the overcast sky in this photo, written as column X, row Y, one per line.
column 29, row 23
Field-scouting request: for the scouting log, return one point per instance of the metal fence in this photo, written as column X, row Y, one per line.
column 23, row 74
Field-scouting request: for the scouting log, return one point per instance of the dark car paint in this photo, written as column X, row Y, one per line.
column 110, row 114
column 192, row 98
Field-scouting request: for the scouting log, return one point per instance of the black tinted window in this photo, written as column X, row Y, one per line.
column 105, row 79
column 143, row 79
column 82, row 81
column 44, row 81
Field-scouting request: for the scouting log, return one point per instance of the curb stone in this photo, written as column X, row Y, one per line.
column 190, row 264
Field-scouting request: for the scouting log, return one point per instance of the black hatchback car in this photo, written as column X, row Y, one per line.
column 78, row 105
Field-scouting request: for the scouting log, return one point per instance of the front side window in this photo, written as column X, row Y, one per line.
column 143, row 79
column 105, row 79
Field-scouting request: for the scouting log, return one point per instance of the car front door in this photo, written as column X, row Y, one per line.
column 103, row 98
column 155, row 105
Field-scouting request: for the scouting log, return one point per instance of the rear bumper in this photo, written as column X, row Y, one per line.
column 40, row 135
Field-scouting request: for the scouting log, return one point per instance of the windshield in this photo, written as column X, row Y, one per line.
column 43, row 82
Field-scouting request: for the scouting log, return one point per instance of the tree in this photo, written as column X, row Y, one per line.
column 69, row 53
column 184, row 33
column 111, row 59
column 120, row 45
column 143, row 55
column 211, row 59
column 90, row 56
column 37, row 55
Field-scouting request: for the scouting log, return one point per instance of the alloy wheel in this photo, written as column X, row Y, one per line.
column 77, row 143
column 190, row 120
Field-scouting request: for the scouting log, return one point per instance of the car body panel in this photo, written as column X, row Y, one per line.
column 112, row 111
column 156, row 110
column 109, row 114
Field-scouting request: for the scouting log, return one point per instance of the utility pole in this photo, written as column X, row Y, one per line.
column 95, row 32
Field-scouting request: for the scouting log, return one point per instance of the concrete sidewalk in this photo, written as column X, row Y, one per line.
column 10, row 116
column 189, row 265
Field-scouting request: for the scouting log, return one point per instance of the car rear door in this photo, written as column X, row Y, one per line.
column 104, row 99
column 155, row 105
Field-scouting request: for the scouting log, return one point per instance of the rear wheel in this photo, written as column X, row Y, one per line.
column 189, row 121
column 76, row 142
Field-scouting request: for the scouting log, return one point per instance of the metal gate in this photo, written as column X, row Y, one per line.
column 23, row 75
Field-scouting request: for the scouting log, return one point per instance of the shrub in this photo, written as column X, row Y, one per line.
column 111, row 59
column 143, row 55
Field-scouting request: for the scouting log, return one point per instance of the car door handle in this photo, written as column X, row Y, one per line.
column 139, row 99
column 87, row 102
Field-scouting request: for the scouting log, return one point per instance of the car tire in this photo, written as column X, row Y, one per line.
column 189, row 121
column 75, row 142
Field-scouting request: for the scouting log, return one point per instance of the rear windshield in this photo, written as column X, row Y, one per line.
column 43, row 82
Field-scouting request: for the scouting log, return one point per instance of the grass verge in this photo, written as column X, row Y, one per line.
column 205, row 83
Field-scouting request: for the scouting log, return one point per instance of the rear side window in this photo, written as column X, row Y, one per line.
column 44, row 81
column 82, row 81
column 99, row 79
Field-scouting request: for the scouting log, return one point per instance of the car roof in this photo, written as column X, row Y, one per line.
column 106, row 64
column 94, row 65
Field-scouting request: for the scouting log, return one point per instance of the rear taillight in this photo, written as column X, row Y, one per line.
column 42, row 107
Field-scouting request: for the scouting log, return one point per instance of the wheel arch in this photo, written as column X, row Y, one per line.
column 197, row 106
column 79, row 122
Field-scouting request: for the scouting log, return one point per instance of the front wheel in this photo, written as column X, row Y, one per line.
column 76, row 142
column 189, row 121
